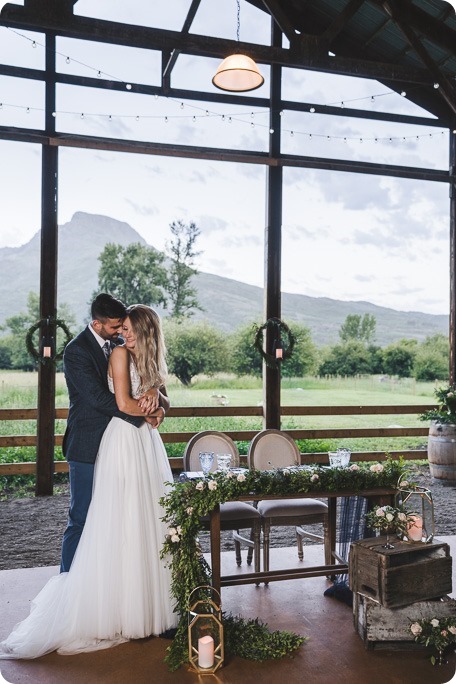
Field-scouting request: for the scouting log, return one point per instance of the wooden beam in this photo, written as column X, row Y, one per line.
column 218, row 154
column 185, row 29
column 445, row 88
column 276, row 10
column 48, row 285
column 452, row 329
column 338, row 24
column 303, row 57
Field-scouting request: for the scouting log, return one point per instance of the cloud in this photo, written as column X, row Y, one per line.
column 211, row 224
column 142, row 210
column 354, row 192
column 298, row 232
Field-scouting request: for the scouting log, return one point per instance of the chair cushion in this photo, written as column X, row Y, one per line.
column 235, row 510
column 291, row 507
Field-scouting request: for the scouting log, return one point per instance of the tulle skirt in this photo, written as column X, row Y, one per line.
column 117, row 588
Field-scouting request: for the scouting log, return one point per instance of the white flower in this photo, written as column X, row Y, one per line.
column 435, row 623
column 171, row 531
column 314, row 478
column 179, row 529
column 452, row 629
column 241, row 477
column 416, row 629
column 286, row 471
column 450, row 394
column 212, row 485
column 376, row 468
column 402, row 517
column 380, row 512
column 404, row 483
column 200, row 486
column 389, row 517
column 354, row 466
column 175, row 538
column 229, row 474
column 189, row 510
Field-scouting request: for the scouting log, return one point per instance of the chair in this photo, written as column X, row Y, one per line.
column 234, row 515
column 271, row 449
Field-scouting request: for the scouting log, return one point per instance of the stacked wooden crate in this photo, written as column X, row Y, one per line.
column 394, row 587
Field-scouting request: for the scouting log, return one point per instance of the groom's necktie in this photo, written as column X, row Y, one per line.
column 106, row 349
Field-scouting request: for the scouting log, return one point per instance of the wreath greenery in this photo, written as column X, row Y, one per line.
column 187, row 502
column 34, row 353
column 282, row 330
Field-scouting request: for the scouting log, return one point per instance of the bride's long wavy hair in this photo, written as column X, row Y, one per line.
column 150, row 348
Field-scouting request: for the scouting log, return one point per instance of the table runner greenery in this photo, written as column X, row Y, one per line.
column 188, row 501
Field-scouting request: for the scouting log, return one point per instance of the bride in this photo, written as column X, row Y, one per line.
column 117, row 587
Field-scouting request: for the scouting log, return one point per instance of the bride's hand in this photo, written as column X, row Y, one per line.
column 149, row 402
column 157, row 419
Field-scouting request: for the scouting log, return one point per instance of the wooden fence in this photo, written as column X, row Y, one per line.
column 245, row 435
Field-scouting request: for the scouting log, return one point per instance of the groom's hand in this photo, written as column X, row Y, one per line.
column 157, row 419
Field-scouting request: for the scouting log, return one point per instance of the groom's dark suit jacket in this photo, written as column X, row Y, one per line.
column 92, row 405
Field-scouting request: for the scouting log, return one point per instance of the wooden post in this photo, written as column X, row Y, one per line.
column 452, row 331
column 273, row 245
column 48, row 285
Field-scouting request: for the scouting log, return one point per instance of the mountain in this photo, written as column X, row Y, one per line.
column 227, row 303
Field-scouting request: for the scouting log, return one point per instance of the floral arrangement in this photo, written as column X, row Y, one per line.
column 187, row 502
column 446, row 411
column 440, row 633
column 390, row 519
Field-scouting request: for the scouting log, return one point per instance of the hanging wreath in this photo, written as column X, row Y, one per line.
column 34, row 353
column 282, row 331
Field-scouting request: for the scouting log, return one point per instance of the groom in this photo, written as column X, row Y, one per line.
column 92, row 405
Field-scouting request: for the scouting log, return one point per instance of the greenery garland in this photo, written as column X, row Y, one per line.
column 34, row 353
column 187, row 502
column 282, row 328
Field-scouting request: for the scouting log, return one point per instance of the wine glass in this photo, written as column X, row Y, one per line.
column 223, row 462
column 206, row 459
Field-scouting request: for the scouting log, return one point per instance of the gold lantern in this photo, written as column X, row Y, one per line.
column 420, row 506
column 205, row 630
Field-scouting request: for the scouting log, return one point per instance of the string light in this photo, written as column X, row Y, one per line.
column 207, row 113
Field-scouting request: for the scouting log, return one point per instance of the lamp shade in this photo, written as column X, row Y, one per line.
column 238, row 73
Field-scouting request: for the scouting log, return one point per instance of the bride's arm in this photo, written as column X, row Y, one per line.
column 120, row 373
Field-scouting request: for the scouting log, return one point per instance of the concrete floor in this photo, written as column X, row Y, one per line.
column 334, row 653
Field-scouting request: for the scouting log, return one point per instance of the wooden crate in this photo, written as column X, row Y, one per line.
column 381, row 627
column 402, row 575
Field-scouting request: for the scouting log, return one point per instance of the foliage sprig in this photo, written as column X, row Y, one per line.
column 446, row 411
column 187, row 502
column 437, row 632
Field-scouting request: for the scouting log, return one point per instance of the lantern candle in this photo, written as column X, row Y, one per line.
column 206, row 651
column 415, row 528
column 47, row 352
column 279, row 353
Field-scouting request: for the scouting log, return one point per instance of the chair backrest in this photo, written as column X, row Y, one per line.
column 209, row 440
column 272, row 449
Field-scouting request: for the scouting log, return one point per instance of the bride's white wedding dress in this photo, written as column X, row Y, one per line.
column 117, row 588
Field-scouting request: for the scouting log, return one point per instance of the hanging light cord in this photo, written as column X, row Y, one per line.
column 238, row 28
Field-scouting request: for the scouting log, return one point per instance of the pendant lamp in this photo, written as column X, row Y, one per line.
column 238, row 73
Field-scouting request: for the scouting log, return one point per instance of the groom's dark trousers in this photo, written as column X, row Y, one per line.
column 91, row 408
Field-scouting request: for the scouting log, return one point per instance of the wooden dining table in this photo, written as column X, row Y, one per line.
column 380, row 496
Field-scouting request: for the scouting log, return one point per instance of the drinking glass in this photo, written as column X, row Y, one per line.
column 206, row 459
column 335, row 459
column 223, row 462
column 344, row 455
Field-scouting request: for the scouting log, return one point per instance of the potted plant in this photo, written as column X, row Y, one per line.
column 388, row 520
column 442, row 434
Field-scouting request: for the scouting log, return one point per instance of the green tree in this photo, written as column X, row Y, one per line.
column 244, row 358
column 357, row 327
column 432, row 359
column 18, row 326
column 181, row 251
column 304, row 359
column 351, row 358
column 194, row 349
column 399, row 357
column 134, row 274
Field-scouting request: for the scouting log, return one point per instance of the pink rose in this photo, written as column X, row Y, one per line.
column 314, row 478
column 212, row 485
column 444, row 633
column 376, row 468
column 380, row 512
column 354, row 467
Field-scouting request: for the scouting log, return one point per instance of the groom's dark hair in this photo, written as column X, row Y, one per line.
column 106, row 306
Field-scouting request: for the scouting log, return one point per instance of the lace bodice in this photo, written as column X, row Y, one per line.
column 134, row 379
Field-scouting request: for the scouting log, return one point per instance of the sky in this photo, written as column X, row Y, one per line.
column 345, row 236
